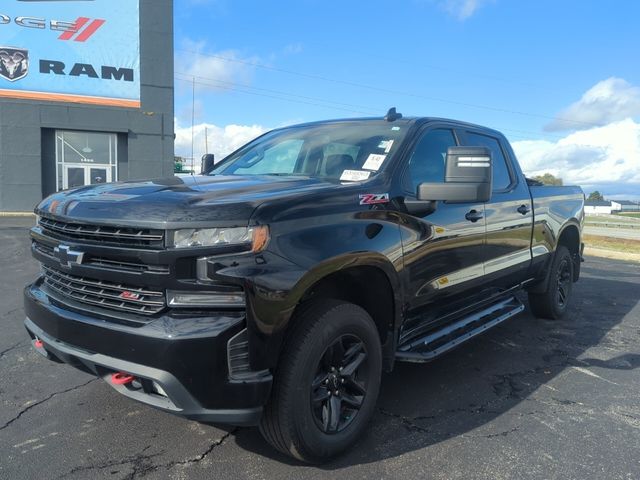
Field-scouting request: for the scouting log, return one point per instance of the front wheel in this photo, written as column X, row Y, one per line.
column 327, row 382
column 552, row 303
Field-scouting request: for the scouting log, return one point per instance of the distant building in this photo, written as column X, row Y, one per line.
column 629, row 206
column 83, row 104
column 596, row 207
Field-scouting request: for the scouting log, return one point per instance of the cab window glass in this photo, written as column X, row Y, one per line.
column 501, row 177
column 280, row 158
column 426, row 163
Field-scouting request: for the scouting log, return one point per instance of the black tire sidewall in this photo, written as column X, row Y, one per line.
column 342, row 319
column 552, row 294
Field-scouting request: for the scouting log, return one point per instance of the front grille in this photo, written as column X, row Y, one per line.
column 107, row 263
column 109, row 295
column 125, row 236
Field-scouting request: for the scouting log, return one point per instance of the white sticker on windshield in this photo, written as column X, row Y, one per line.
column 374, row 162
column 395, row 129
column 384, row 143
column 389, row 145
column 354, row 175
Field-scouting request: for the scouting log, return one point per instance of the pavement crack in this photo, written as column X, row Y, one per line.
column 142, row 465
column 9, row 312
column 408, row 423
column 20, row 344
column 40, row 402
column 501, row 434
column 203, row 455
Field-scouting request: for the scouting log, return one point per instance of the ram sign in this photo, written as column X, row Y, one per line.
column 82, row 51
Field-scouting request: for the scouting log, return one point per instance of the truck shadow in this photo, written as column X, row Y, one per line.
column 422, row 405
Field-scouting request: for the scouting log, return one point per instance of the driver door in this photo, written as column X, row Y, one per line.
column 443, row 250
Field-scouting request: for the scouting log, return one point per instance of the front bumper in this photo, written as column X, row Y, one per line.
column 185, row 356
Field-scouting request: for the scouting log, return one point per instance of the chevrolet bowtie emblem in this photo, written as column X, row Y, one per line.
column 66, row 256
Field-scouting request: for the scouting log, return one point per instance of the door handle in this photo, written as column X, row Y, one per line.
column 473, row 216
column 523, row 209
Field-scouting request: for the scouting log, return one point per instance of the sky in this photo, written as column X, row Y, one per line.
column 560, row 79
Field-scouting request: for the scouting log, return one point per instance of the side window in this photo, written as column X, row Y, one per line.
column 426, row 163
column 501, row 177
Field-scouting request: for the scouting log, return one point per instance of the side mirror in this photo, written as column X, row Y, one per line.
column 468, row 175
column 207, row 163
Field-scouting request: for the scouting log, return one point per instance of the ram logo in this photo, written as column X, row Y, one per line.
column 14, row 63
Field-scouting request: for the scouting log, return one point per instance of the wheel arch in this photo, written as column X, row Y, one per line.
column 368, row 280
column 570, row 237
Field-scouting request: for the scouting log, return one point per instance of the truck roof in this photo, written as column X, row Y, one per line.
column 406, row 121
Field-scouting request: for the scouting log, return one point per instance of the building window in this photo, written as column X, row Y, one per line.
column 85, row 158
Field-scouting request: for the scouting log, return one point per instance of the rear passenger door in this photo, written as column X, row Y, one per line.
column 509, row 216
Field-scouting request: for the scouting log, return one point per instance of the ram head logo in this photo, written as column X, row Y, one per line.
column 14, row 63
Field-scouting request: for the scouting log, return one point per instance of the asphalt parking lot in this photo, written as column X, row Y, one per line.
column 530, row 399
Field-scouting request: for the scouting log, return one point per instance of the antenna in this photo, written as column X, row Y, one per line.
column 392, row 115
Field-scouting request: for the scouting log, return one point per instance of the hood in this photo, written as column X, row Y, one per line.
column 177, row 201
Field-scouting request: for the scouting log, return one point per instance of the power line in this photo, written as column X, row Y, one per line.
column 385, row 90
column 235, row 84
column 366, row 110
column 222, row 87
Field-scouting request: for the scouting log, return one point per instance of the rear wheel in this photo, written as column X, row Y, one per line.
column 326, row 384
column 552, row 303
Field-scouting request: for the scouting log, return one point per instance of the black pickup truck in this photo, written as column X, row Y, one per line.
column 275, row 289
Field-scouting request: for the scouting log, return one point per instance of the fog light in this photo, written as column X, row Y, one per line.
column 205, row 299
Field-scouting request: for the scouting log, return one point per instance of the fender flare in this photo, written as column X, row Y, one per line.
column 544, row 283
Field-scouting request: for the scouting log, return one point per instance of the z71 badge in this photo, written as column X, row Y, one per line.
column 374, row 198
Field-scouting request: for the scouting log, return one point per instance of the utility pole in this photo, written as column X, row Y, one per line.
column 193, row 117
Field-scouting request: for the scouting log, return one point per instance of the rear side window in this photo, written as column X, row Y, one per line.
column 501, row 176
column 426, row 163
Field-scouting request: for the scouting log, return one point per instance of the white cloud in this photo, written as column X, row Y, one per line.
column 293, row 48
column 221, row 140
column 607, row 101
column 213, row 70
column 462, row 9
column 605, row 158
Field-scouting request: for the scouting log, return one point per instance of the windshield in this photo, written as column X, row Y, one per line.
column 349, row 151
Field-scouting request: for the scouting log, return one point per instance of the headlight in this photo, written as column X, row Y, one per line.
column 255, row 237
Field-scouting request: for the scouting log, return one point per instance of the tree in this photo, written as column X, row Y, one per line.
column 548, row 179
column 595, row 196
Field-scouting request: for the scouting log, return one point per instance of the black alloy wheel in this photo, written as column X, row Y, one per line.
column 552, row 303
column 340, row 384
column 563, row 281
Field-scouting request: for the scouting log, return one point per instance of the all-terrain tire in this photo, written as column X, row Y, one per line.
column 291, row 421
column 553, row 302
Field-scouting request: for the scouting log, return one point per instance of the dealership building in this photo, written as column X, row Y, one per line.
column 86, row 95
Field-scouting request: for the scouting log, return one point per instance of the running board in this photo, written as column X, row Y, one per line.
column 438, row 342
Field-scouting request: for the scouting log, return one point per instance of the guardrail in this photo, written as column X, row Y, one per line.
column 611, row 225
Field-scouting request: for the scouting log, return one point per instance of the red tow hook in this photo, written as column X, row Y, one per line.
column 121, row 378
column 38, row 343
